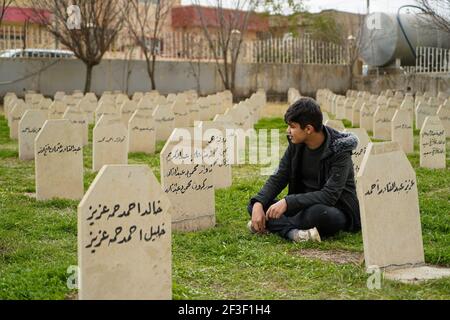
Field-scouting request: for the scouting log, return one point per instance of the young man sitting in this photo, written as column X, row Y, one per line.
column 318, row 168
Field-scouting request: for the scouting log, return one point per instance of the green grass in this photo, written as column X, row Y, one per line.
column 38, row 242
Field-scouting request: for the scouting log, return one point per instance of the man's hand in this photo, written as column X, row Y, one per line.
column 277, row 210
column 258, row 218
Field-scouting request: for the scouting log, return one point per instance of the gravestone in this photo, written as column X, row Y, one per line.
column 110, row 143
column 348, row 106
column 382, row 120
column 402, row 130
column 205, row 108
column 215, row 152
column 423, row 110
column 241, row 116
column 141, row 132
column 14, row 118
column 29, row 127
column 340, row 108
column 88, row 107
column 194, row 112
column 335, row 124
column 187, row 182
column 57, row 110
column 444, row 115
column 432, row 144
column 147, row 103
column 390, row 216
column 164, row 121
column 59, row 95
column 106, row 108
column 356, row 111
column 45, row 104
column 127, row 110
column 58, row 162
column 180, row 110
column 360, row 151
column 137, row 96
column 79, row 121
column 124, row 237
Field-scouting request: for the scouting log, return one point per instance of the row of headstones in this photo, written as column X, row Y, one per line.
column 388, row 197
column 57, row 147
column 174, row 111
column 392, row 120
column 126, row 212
column 140, row 135
column 75, row 112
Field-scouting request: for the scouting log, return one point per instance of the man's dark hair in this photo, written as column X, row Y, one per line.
column 305, row 111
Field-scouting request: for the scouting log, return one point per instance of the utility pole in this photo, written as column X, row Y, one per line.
column 368, row 7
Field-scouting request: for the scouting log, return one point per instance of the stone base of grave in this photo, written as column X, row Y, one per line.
column 417, row 274
column 194, row 224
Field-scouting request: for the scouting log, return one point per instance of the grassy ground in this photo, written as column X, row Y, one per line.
column 38, row 242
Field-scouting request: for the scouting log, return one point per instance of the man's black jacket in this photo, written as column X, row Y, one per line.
column 336, row 178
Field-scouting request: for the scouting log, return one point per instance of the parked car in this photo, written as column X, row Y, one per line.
column 36, row 53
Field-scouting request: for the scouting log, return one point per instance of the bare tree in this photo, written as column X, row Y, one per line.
column 4, row 5
column 100, row 23
column 195, row 54
column 435, row 13
column 145, row 23
column 224, row 31
column 353, row 42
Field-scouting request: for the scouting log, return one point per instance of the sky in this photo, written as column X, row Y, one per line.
column 357, row 6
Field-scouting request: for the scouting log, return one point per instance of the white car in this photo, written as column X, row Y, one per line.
column 36, row 53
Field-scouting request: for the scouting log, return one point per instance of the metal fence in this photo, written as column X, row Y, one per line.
column 193, row 46
column 432, row 60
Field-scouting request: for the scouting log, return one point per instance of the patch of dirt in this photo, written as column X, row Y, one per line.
column 30, row 195
column 71, row 296
column 335, row 256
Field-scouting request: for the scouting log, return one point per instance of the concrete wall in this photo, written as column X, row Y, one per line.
column 276, row 79
column 47, row 77
column 417, row 82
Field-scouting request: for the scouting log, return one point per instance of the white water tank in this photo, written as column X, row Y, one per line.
column 382, row 39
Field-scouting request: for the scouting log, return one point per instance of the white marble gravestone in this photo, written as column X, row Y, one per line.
column 14, row 118
column 188, row 182
column 127, row 110
column 181, row 112
column 110, row 143
column 141, row 132
column 389, row 202
column 215, row 151
column 432, row 144
column 124, row 237
column 363, row 142
column 57, row 110
column 335, row 124
column 423, row 110
column 382, row 120
column 402, row 130
column 444, row 115
column 79, row 119
column 29, row 127
column 58, row 162
column 164, row 121
column 106, row 108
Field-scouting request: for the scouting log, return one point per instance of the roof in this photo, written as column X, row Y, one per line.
column 21, row 15
column 190, row 16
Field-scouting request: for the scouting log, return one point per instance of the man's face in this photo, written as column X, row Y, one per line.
column 296, row 134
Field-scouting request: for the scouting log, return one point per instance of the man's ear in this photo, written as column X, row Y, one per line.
column 309, row 128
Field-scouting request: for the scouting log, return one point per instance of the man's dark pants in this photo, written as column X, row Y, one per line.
column 328, row 220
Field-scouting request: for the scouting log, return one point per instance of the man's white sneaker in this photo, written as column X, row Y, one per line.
column 307, row 235
column 250, row 227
